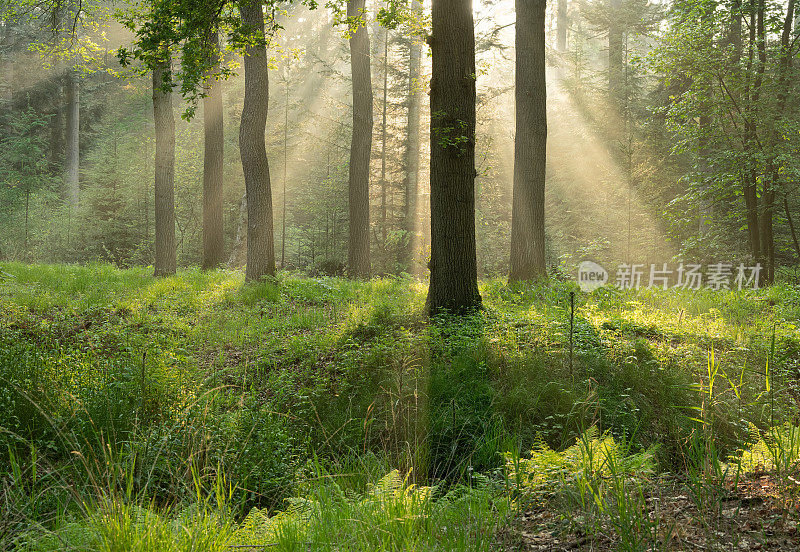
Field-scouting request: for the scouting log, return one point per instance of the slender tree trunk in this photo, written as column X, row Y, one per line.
column 616, row 58
column 285, row 167
column 213, row 163
column 767, row 246
column 260, row 246
column 770, row 184
column 750, row 142
column 7, row 84
column 530, row 145
column 241, row 236
column 361, row 144
column 412, row 152
column 57, row 126
column 165, row 263
column 561, row 26
column 792, row 229
column 383, row 143
column 72, row 146
column 797, row 24
column 736, row 31
column 454, row 271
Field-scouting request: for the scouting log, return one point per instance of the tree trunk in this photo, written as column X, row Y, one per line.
column 530, row 145
column 561, row 26
column 384, row 184
column 57, row 126
column 165, row 263
column 792, row 229
column 454, row 281
column 285, row 167
column 412, row 152
column 213, row 162
column 361, row 144
column 736, row 31
column 770, row 184
column 616, row 58
column 260, row 246
column 72, row 146
column 749, row 177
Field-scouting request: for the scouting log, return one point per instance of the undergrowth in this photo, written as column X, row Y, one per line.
column 177, row 411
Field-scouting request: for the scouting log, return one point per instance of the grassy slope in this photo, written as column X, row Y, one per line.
column 175, row 381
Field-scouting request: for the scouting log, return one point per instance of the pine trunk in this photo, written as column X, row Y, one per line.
column 213, row 162
column 165, row 263
column 453, row 282
column 384, row 184
column 260, row 246
column 412, row 152
column 360, row 146
column 530, row 145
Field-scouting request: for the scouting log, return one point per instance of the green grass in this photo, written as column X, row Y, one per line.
column 122, row 395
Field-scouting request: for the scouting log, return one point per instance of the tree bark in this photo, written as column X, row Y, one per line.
column 72, row 153
column 454, row 281
column 213, row 162
column 358, row 262
column 530, row 145
column 412, row 152
column 561, row 26
column 260, row 243
column 165, row 262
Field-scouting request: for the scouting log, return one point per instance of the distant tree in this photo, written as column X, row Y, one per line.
column 562, row 23
column 213, row 163
column 453, row 265
column 72, row 88
column 737, row 122
column 165, row 255
column 527, row 223
column 358, row 261
column 412, row 145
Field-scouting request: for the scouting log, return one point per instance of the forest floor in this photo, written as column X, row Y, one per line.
column 752, row 515
column 200, row 413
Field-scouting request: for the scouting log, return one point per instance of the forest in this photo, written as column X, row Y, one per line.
column 384, row 275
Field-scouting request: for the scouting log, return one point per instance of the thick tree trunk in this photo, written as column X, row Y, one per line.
column 412, row 152
column 361, row 144
column 561, row 26
column 213, row 162
column 454, row 282
column 260, row 243
column 165, row 263
column 530, row 145
column 72, row 145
